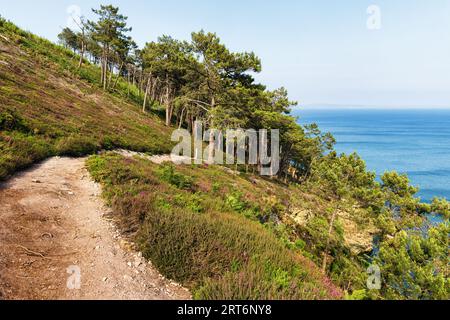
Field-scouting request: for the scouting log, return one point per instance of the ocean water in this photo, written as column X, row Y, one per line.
column 415, row 142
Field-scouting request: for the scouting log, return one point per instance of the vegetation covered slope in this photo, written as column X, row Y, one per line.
column 50, row 107
column 205, row 234
column 322, row 206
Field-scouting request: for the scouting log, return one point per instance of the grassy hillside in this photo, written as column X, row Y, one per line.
column 199, row 226
column 50, row 107
column 205, row 227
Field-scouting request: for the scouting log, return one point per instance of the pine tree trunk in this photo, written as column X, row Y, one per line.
column 105, row 69
column 211, row 135
column 118, row 76
column 144, row 106
column 191, row 123
column 128, row 83
column 81, row 55
column 105, row 72
column 327, row 246
column 169, row 108
column 181, row 118
column 111, row 72
column 154, row 86
column 102, row 62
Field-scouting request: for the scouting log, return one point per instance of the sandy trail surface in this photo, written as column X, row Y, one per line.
column 56, row 241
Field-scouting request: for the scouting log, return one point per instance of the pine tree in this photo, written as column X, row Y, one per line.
column 110, row 32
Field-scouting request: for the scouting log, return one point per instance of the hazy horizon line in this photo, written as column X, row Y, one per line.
column 368, row 106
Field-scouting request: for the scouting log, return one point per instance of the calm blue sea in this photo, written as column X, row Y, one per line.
column 416, row 142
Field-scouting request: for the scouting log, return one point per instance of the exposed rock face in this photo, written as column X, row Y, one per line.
column 358, row 231
column 301, row 216
column 358, row 235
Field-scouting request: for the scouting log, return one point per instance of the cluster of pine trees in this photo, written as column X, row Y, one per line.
column 199, row 80
column 202, row 80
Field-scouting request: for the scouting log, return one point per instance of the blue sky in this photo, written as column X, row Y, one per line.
column 320, row 50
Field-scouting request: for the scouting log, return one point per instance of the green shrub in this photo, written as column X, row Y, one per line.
column 129, row 172
column 357, row 295
column 97, row 165
column 216, row 187
column 235, row 202
column 218, row 254
column 300, row 244
column 257, row 281
column 77, row 146
column 10, row 120
column 441, row 206
column 108, row 143
column 21, row 152
column 191, row 248
column 167, row 173
column 195, row 204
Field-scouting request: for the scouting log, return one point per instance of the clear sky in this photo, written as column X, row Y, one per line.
column 321, row 50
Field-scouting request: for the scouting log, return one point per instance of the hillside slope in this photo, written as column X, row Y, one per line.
column 222, row 240
column 50, row 107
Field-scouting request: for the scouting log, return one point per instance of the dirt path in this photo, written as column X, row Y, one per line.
column 52, row 221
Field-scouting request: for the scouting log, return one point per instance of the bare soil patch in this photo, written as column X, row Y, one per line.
column 52, row 219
